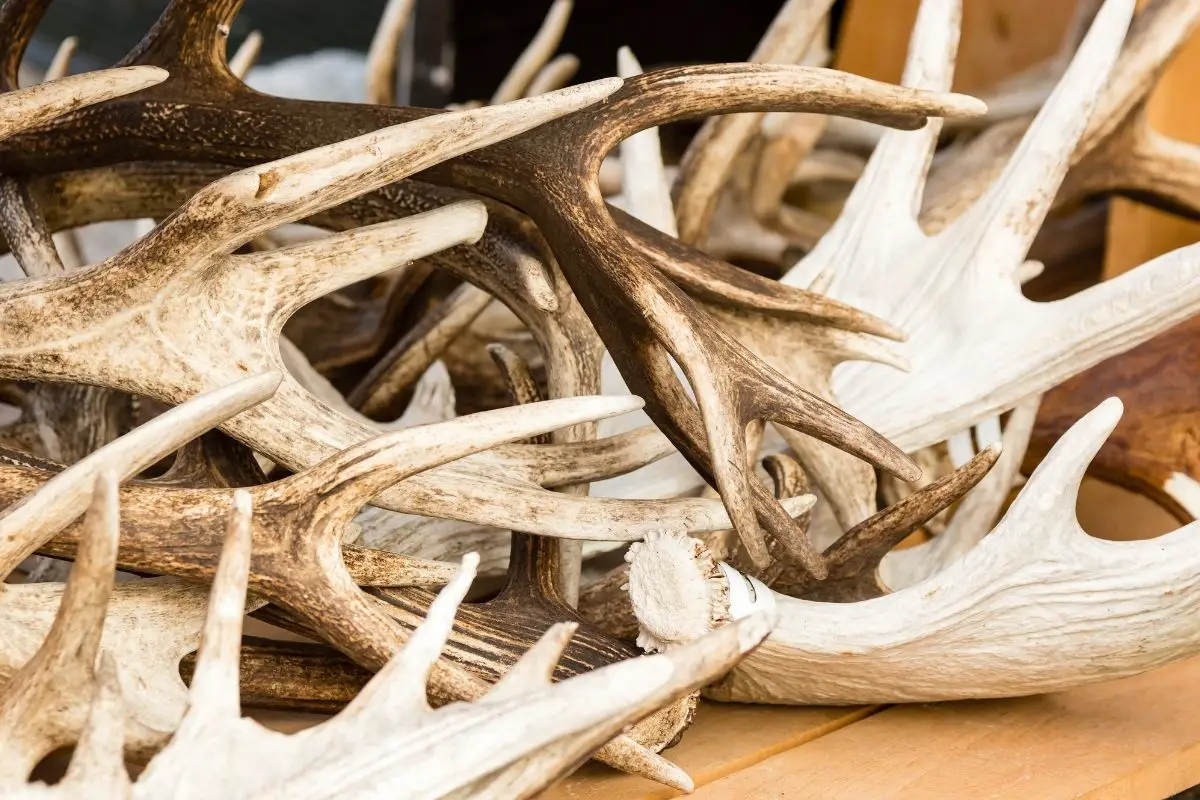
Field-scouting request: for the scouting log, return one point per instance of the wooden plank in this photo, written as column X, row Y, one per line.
column 997, row 38
column 724, row 739
column 1133, row 739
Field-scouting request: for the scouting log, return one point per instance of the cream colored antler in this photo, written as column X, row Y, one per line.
column 976, row 346
column 1037, row 606
column 151, row 624
column 511, row 743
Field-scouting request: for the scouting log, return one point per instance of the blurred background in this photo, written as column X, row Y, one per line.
column 460, row 48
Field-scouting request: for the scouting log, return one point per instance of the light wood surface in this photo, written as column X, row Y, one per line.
column 723, row 740
column 996, row 41
column 1133, row 739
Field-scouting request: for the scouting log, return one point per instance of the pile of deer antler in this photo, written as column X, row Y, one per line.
column 275, row 370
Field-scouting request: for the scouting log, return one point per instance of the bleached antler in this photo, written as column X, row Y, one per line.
column 1037, row 606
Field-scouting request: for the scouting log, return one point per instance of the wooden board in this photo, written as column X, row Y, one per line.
column 1134, row 739
column 995, row 42
column 723, row 740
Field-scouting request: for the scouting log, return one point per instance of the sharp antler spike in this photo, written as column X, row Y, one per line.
column 400, row 687
column 1005, row 219
column 536, row 666
column 556, row 74
column 214, row 687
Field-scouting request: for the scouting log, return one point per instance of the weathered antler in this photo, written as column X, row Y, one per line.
column 1037, row 606
column 956, row 293
column 388, row 739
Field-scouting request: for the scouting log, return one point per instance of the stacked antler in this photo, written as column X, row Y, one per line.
column 469, row 256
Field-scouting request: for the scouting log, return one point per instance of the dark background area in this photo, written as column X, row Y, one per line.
column 488, row 35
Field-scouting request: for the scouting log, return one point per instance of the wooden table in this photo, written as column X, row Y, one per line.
column 1132, row 739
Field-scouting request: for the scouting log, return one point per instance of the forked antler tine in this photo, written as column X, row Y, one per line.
column 555, row 75
column 28, row 108
column 536, row 667
column 355, row 475
column 976, row 514
column 299, row 274
column 30, row 523
column 383, row 55
column 246, row 55
column 399, row 689
column 1004, row 221
column 689, row 667
column 252, row 201
column 214, row 693
column 535, row 54
column 709, row 158
column 644, row 179
column 423, row 344
column 64, row 664
column 98, row 762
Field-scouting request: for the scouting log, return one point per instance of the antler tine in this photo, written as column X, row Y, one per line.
column 423, row 344
column 536, row 53
column 555, row 75
column 709, row 158
column 255, row 200
column 1005, row 219
column 23, row 109
column 644, row 179
column 214, row 690
column 60, row 64
column 399, row 689
column 22, row 225
column 888, row 195
column 98, row 763
column 536, row 667
column 362, row 471
column 689, row 667
column 385, row 50
column 1156, row 34
column 30, row 523
column 853, row 560
column 301, row 273
column 44, row 689
column 974, row 517
column 246, row 55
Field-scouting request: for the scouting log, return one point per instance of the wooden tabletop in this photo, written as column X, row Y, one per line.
column 1132, row 739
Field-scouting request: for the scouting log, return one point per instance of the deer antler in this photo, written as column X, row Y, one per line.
column 961, row 304
column 1103, row 609
column 364, row 748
